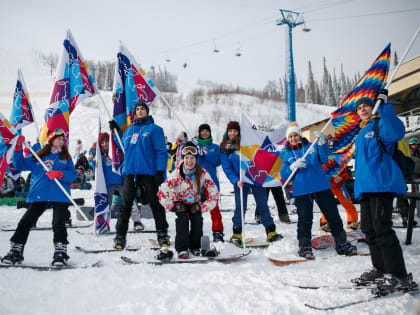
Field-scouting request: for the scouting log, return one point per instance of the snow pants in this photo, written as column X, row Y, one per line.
column 347, row 204
column 111, row 189
column 186, row 237
column 376, row 223
column 31, row 216
column 328, row 206
column 150, row 188
column 216, row 216
column 260, row 197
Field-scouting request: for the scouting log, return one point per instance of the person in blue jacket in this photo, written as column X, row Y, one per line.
column 310, row 183
column 230, row 162
column 144, row 166
column 378, row 179
column 44, row 191
column 209, row 159
column 115, row 182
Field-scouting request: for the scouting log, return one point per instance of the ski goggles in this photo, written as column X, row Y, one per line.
column 189, row 150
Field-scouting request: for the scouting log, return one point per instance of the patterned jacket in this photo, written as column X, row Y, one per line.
column 177, row 188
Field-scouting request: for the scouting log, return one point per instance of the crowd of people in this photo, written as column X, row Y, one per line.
column 182, row 178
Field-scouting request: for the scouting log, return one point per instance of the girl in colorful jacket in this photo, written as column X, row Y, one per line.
column 180, row 193
column 44, row 191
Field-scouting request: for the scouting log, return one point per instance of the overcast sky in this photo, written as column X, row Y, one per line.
column 352, row 32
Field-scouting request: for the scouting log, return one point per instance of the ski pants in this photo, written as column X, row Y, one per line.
column 347, row 204
column 279, row 199
column 150, row 188
column 376, row 222
column 186, row 237
column 328, row 206
column 216, row 216
column 260, row 197
column 31, row 216
column 111, row 189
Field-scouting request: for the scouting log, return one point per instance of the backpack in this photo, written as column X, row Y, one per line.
column 401, row 154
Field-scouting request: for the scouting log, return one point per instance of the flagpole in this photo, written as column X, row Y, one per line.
column 56, row 181
column 110, row 118
column 176, row 115
column 241, row 195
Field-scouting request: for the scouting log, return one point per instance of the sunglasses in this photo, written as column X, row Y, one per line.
column 189, row 150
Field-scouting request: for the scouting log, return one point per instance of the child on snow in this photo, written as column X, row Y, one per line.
column 180, row 193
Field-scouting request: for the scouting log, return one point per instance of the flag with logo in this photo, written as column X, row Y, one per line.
column 72, row 84
column 22, row 113
column 7, row 144
column 259, row 153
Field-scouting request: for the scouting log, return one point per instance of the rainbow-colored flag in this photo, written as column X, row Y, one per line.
column 345, row 119
column 22, row 113
column 72, row 84
column 7, row 145
column 131, row 86
column 260, row 159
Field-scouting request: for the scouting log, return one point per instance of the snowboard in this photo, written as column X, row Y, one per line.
column 195, row 260
column 327, row 241
column 251, row 243
column 111, row 250
column 51, row 268
column 45, row 228
column 287, row 262
column 114, row 232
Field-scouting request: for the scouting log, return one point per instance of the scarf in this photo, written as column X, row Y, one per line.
column 189, row 174
column 363, row 123
column 204, row 142
column 56, row 150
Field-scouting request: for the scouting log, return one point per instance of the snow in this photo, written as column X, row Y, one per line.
column 252, row 286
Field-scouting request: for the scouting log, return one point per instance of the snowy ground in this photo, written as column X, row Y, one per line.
column 248, row 287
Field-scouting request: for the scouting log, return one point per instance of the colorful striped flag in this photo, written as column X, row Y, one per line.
column 345, row 119
column 131, row 86
column 260, row 159
column 102, row 213
column 72, row 84
column 7, row 145
column 22, row 113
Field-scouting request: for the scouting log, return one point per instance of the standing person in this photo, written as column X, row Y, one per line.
column 209, row 158
column 309, row 184
column 280, row 203
column 144, row 166
column 181, row 193
column 44, row 191
column 78, row 149
column 176, row 150
column 230, row 162
column 378, row 179
column 115, row 182
column 7, row 187
column 339, row 190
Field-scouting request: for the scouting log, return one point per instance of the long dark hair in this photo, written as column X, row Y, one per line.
column 198, row 173
column 225, row 139
column 46, row 149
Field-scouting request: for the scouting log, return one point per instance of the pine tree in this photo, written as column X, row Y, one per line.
column 310, row 94
column 395, row 58
column 336, row 88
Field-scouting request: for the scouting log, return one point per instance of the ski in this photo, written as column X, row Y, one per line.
column 114, row 232
column 51, row 268
column 197, row 260
column 111, row 250
column 369, row 299
column 45, row 228
column 316, row 287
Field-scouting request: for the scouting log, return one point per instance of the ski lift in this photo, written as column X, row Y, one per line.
column 238, row 51
column 215, row 47
column 184, row 65
column 306, row 28
column 167, row 58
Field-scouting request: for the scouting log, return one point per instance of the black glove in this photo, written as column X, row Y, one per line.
column 113, row 125
column 158, row 178
column 383, row 96
column 195, row 207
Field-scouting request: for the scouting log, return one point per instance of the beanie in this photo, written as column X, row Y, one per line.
column 233, row 125
column 293, row 128
column 203, row 127
column 146, row 107
column 52, row 134
column 189, row 148
column 364, row 100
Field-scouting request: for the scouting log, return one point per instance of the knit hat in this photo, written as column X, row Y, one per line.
column 52, row 134
column 414, row 140
column 203, row 127
column 103, row 136
column 233, row 125
column 364, row 100
column 146, row 107
column 189, row 148
column 293, row 128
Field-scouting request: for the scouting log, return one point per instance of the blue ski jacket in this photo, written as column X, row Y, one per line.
column 371, row 175
column 42, row 188
column 230, row 164
column 312, row 178
column 111, row 178
column 210, row 161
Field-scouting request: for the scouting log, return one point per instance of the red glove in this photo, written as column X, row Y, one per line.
column 19, row 142
column 55, row 174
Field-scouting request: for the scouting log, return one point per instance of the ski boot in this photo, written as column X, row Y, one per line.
column 284, row 218
column 368, row 278
column 272, row 235
column 165, row 254
column 306, row 252
column 15, row 255
column 138, row 226
column 195, row 252
column 345, row 248
column 391, row 284
column 206, row 251
column 119, row 242
column 183, row 254
column 60, row 257
column 218, row 236
column 163, row 239
column 237, row 236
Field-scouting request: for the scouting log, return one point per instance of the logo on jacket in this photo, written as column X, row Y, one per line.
column 49, row 164
column 370, row 134
column 146, row 134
